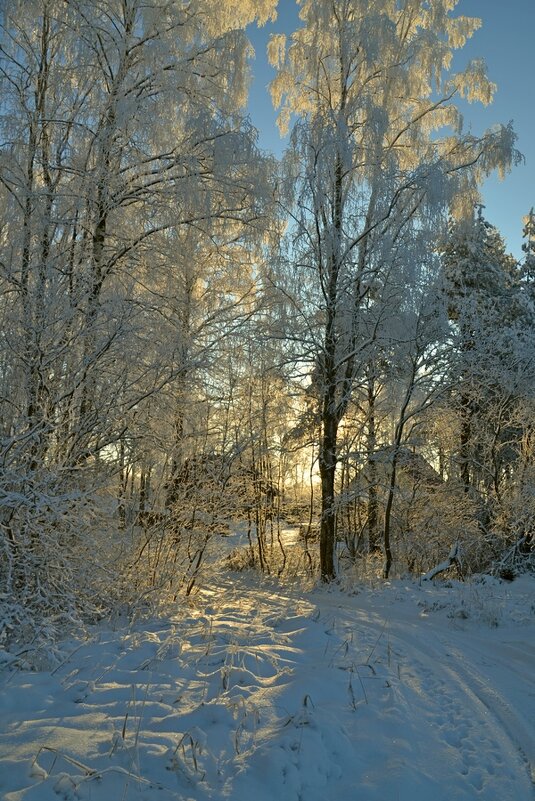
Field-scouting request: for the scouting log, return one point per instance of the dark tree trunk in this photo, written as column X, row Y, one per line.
column 388, row 517
column 371, row 446
column 466, row 435
column 393, row 471
column 327, row 466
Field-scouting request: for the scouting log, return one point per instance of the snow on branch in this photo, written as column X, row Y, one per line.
column 454, row 558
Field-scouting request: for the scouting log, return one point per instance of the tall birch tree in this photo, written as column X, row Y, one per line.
column 368, row 88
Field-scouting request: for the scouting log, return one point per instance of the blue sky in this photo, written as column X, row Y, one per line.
column 505, row 42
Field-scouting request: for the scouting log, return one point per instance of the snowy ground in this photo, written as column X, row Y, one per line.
column 253, row 693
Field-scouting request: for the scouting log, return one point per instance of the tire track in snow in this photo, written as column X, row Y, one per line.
column 515, row 742
column 502, row 712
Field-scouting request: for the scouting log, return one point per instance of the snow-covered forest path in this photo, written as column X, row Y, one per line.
column 252, row 692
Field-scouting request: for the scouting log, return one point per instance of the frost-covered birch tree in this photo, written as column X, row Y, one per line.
column 368, row 90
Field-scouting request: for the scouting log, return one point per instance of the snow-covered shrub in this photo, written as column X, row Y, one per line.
column 59, row 558
column 515, row 529
column 431, row 521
